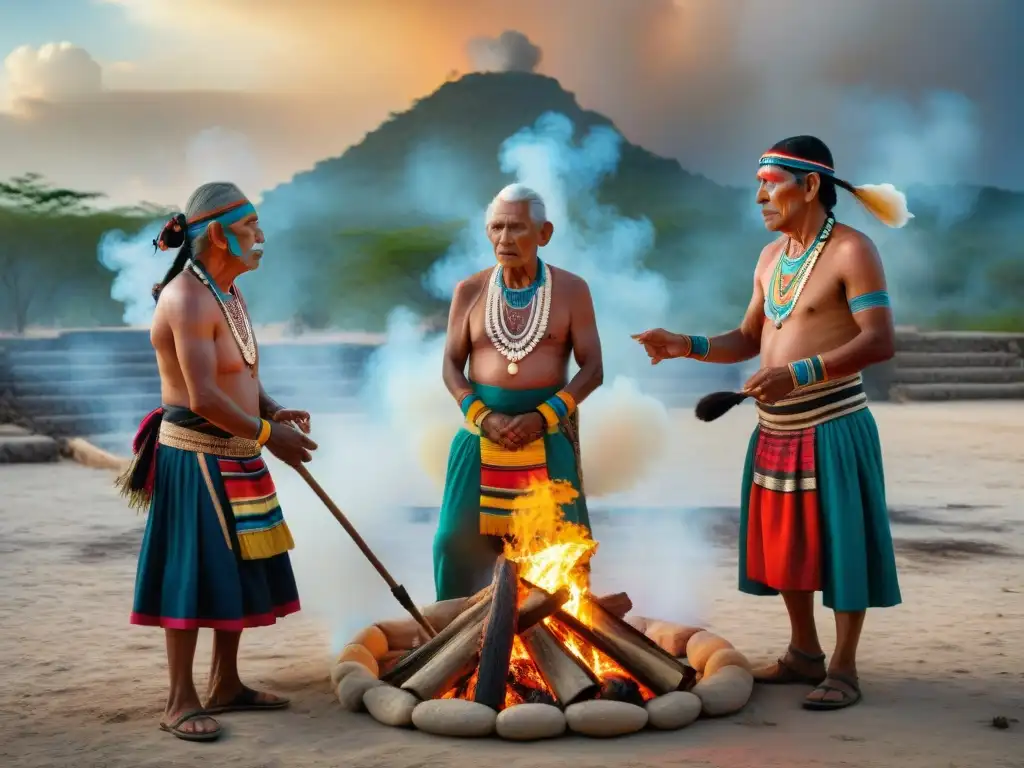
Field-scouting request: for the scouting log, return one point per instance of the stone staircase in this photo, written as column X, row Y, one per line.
column 99, row 384
column 956, row 366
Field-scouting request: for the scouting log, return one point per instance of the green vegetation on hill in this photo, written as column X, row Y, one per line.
column 354, row 236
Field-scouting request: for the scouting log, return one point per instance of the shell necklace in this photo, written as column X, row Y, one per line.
column 790, row 277
column 234, row 313
column 515, row 345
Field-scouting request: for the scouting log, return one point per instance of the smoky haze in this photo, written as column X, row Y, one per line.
column 390, row 457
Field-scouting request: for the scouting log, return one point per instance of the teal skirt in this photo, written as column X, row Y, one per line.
column 463, row 557
column 190, row 574
column 858, row 565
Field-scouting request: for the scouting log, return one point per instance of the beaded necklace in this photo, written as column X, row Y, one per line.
column 791, row 275
column 234, row 313
column 516, row 343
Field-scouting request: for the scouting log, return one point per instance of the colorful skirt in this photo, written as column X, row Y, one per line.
column 813, row 512
column 468, row 538
column 193, row 569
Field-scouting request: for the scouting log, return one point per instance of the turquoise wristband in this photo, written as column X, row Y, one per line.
column 699, row 347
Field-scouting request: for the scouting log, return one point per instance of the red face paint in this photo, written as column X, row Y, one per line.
column 772, row 175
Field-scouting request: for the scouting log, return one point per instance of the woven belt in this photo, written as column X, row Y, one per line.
column 184, row 439
column 815, row 404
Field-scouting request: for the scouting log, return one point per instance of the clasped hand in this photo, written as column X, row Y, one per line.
column 513, row 432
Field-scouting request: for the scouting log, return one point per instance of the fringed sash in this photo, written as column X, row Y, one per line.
column 260, row 526
column 504, row 477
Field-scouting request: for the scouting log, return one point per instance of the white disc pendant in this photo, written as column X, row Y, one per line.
column 513, row 369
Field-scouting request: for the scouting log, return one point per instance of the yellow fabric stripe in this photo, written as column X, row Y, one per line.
column 495, row 502
column 245, row 508
column 493, row 455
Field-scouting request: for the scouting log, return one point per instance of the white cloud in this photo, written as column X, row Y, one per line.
column 52, row 72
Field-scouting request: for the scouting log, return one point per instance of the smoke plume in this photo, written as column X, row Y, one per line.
column 510, row 51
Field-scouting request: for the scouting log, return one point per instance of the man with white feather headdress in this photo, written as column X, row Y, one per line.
column 813, row 514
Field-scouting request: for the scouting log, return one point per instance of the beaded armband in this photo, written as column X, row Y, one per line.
column 869, row 301
column 264, row 434
column 700, row 347
column 556, row 408
column 810, row 370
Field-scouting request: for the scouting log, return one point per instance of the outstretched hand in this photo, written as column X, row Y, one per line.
column 660, row 344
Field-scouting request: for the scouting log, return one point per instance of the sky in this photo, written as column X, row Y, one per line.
column 145, row 99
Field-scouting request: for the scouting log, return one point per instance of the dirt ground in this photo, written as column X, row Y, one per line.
column 80, row 687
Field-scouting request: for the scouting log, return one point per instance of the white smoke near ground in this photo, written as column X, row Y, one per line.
column 511, row 51
column 625, row 433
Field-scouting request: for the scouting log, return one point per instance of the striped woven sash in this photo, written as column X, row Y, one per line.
column 815, row 404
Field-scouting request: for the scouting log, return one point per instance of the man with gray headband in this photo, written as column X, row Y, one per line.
column 215, row 550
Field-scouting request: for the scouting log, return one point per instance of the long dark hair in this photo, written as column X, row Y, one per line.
column 173, row 235
column 814, row 149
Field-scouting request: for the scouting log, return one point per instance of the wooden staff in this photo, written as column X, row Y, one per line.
column 396, row 589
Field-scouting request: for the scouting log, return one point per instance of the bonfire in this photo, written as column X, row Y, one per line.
column 536, row 652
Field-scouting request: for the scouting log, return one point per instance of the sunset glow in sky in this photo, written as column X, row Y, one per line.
column 709, row 82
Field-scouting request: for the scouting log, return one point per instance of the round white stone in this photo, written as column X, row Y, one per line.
column 530, row 722
column 346, row 668
column 726, row 691
column 390, row 706
column 673, row 711
column 605, row 718
column 454, row 717
column 353, row 686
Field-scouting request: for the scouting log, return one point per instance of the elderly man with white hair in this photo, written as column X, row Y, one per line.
column 516, row 325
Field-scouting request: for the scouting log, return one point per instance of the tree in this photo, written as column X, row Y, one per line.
column 34, row 211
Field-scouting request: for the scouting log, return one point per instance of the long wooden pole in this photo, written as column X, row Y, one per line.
column 396, row 589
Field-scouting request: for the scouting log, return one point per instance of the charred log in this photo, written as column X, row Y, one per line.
column 414, row 661
column 498, row 635
column 450, row 665
column 569, row 678
column 631, row 649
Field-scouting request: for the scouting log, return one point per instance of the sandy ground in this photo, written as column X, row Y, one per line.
column 81, row 687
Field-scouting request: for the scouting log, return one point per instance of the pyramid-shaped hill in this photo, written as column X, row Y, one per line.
column 467, row 120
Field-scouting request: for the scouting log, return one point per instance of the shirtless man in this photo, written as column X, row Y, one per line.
column 516, row 324
column 813, row 515
column 215, row 550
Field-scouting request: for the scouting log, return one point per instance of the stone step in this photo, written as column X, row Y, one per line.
column 905, row 360
column 102, row 372
column 96, row 423
column 943, row 392
column 270, row 354
column 59, row 405
column 959, row 341
column 18, row 446
column 957, row 375
column 149, row 386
